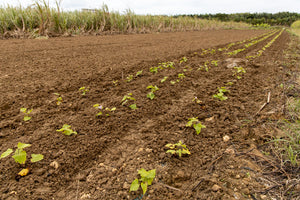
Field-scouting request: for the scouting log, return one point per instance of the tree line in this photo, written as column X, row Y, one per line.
column 273, row 19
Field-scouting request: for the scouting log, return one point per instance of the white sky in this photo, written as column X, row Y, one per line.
column 172, row 7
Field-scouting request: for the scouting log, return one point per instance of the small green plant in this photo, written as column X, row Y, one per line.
column 166, row 65
column 238, row 71
column 139, row 73
column 196, row 124
column 154, row 69
column 115, row 82
column 84, row 90
column 215, row 63
column 181, row 76
column 133, row 106
column 26, row 113
column 151, row 94
column 129, row 98
column 220, row 95
column 173, row 82
column 146, row 179
column 20, row 154
column 105, row 111
column 129, row 78
column 184, row 59
column 66, row 129
column 58, row 99
column 178, row 148
column 205, row 66
column 164, row 79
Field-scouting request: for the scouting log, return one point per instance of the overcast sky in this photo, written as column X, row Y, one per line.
column 172, row 7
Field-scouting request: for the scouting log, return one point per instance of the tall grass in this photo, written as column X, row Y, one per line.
column 41, row 19
column 296, row 27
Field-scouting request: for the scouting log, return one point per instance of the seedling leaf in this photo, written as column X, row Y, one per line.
column 26, row 118
column 6, row 153
column 20, row 156
column 150, row 95
column 144, row 187
column 133, row 106
column 36, row 157
column 198, row 127
column 134, row 185
column 22, row 145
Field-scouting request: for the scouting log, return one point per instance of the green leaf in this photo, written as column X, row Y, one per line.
column 20, row 156
column 198, row 127
column 134, row 185
column 23, row 145
column 133, row 106
column 171, row 151
column 164, row 79
column 29, row 111
column 57, row 94
column 36, row 157
column 142, row 172
column 151, row 175
column 96, row 105
column 144, row 187
column 26, row 118
column 23, row 110
column 66, row 129
column 113, row 109
column 150, row 95
column 139, row 73
column 186, row 151
column 6, row 153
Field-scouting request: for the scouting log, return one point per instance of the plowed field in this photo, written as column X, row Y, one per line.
column 102, row 160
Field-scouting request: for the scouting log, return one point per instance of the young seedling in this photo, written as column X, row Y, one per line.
column 84, row 90
column 105, row 111
column 166, row 65
column 20, row 154
column 184, row 59
column 26, row 114
column 238, row 71
column 129, row 98
column 58, row 99
column 181, row 76
column 164, row 79
column 116, row 82
column 146, row 179
column 151, row 95
column 215, row 63
column 178, row 149
column 196, row 124
column 173, row 82
column 139, row 73
column 220, row 95
column 205, row 66
column 66, row 129
column 129, row 78
column 154, row 69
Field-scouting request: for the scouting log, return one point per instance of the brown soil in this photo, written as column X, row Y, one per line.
column 102, row 160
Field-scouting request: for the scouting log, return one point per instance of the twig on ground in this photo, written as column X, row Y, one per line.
column 170, row 187
column 194, row 188
column 265, row 104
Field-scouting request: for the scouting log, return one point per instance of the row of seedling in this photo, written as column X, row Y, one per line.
column 235, row 52
column 260, row 52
